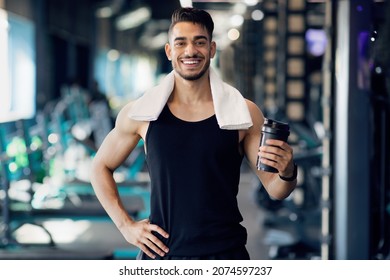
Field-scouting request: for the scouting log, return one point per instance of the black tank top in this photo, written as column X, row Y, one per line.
column 195, row 171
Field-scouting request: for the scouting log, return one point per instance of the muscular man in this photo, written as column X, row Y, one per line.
column 196, row 133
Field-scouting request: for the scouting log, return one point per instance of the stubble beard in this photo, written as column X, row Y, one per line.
column 192, row 77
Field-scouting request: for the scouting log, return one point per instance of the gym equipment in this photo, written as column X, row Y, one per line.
column 32, row 168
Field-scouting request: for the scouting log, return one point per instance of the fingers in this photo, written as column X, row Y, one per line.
column 148, row 246
column 278, row 143
column 150, row 243
column 277, row 154
column 159, row 230
column 155, row 244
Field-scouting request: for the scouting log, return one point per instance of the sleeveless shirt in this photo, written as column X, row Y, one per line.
column 195, row 170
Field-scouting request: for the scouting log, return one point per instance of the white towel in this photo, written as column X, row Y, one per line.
column 230, row 106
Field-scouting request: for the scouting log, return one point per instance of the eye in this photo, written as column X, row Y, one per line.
column 200, row 43
column 179, row 44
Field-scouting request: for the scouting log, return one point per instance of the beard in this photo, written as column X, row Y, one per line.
column 192, row 77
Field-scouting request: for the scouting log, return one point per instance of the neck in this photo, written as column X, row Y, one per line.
column 191, row 92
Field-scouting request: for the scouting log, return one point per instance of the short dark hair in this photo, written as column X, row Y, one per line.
column 193, row 15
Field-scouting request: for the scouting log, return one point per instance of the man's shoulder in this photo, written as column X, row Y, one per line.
column 252, row 106
column 125, row 122
column 255, row 112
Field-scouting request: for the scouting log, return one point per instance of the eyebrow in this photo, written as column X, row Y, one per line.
column 195, row 38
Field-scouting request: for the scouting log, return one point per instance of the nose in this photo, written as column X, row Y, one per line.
column 191, row 50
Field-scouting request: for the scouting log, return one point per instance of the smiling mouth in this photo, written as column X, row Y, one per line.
column 190, row 62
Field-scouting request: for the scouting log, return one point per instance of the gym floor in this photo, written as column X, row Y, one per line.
column 99, row 238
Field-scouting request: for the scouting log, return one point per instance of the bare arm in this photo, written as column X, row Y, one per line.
column 115, row 148
column 279, row 157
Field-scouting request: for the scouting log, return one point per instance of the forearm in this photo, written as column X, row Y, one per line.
column 137, row 233
column 107, row 193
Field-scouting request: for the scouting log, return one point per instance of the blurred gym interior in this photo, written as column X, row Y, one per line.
column 67, row 67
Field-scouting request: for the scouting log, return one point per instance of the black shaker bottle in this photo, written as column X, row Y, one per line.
column 272, row 130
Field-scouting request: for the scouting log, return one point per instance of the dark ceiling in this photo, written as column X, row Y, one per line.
column 160, row 9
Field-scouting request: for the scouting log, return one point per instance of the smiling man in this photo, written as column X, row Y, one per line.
column 190, row 54
column 196, row 129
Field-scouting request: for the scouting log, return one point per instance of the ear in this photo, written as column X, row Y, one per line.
column 168, row 51
column 213, row 49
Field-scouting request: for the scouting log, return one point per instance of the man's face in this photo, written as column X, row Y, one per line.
column 190, row 50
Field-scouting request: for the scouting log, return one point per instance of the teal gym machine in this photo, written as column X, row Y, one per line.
column 30, row 151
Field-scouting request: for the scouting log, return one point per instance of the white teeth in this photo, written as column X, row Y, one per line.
column 190, row 62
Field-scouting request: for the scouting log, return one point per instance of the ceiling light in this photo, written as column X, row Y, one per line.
column 233, row 34
column 257, row 15
column 113, row 55
column 186, row 3
column 109, row 10
column 237, row 20
column 251, row 2
column 104, row 12
column 134, row 18
column 154, row 42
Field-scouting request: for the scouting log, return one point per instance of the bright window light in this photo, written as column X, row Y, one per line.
column 17, row 67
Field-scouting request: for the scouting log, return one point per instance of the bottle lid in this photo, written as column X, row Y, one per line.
column 276, row 124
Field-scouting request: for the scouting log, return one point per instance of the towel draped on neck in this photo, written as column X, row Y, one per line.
column 230, row 106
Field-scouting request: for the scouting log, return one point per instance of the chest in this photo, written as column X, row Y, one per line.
column 170, row 136
column 192, row 113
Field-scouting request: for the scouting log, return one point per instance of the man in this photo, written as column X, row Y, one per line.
column 196, row 130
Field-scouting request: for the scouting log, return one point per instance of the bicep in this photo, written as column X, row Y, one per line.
column 251, row 142
column 119, row 143
column 251, row 139
column 116, row 147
